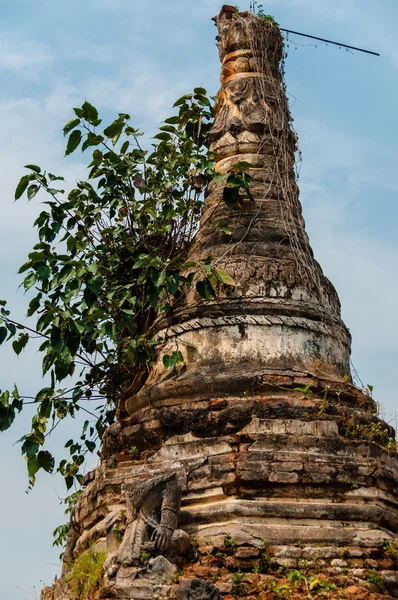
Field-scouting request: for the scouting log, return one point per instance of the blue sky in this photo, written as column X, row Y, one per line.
column 137, row 56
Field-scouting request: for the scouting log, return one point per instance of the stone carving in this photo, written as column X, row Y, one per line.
column 152, row 521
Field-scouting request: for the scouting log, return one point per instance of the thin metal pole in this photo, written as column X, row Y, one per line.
column 330, row 42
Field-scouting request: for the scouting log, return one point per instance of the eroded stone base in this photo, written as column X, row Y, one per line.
column 273, row 490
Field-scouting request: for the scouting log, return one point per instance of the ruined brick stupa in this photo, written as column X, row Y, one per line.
column 259, row 454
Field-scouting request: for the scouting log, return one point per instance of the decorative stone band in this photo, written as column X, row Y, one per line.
column 245, row 76
column 226, row 354
column 274, row 520
column 259, row 320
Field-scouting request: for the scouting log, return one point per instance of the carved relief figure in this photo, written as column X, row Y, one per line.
column 152, row 525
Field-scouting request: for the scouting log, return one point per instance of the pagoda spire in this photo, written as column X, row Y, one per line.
column 283, row 314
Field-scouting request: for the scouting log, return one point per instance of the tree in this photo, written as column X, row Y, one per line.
column 111, row 257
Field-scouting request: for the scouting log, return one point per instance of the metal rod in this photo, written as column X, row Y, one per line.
column 330, row 42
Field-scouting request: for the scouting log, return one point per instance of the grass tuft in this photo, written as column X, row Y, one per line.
column 86, row 574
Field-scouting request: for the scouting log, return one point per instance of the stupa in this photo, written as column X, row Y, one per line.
column 258, row 457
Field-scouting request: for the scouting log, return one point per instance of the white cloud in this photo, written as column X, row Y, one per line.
column 23, row 57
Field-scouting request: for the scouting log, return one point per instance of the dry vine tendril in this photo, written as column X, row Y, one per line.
column 111, row 258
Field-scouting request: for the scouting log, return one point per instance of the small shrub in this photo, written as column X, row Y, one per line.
column 261, row 13
column 266, row 554
column 375, row 579
column 134, row 452
column 143, row 556
column 320, row 584
column 119, row 532
column 229, row 542
column 220, row 558
column 86, row 574
column 296, row 577
column 307, row 391
column 390, row 548
column 280, row 591
column 193, row 550
column 177, row 576
column 257, row 569
column 238, row 587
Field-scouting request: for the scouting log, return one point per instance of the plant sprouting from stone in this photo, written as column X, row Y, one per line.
column 134, row 452
column 306, row 390
column 229, row 542
column 260, row 12
column 143, row 556
column 375, row 579
column 280, row 591
column 390, row 548
column 110, row 259
column 238, row 587
column 85, row 576
column 119, row 532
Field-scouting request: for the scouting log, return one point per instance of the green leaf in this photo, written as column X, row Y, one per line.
column 182, row 100
column 33, row 466
column 235, row 180
column 32, row 191
column 224, row 277
column 56, row 339
column 3, row 334
column 163, row 135
column 95, row 284
column 173, row 284
column 73, row 141
column 115, row 129
column 79, row 112
column 158, row 278
column 71, row 125
column 220, row 177
column 7, row 416
column 231, row 196
column 90, row 113
column 205, row 289
column 90, row 445
column 19, row 344
column 111, row 330
column 45, row 461
column 68, row 481
column 89, row 297
column 30, row 448
column 144, row 259
column 173, row 120
column 92, row 140
column 33, row 168
column 22, row 185
column 243, row 165
column 55, row 177
column 29, row 280
column 170, row 361
column 125, row 147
